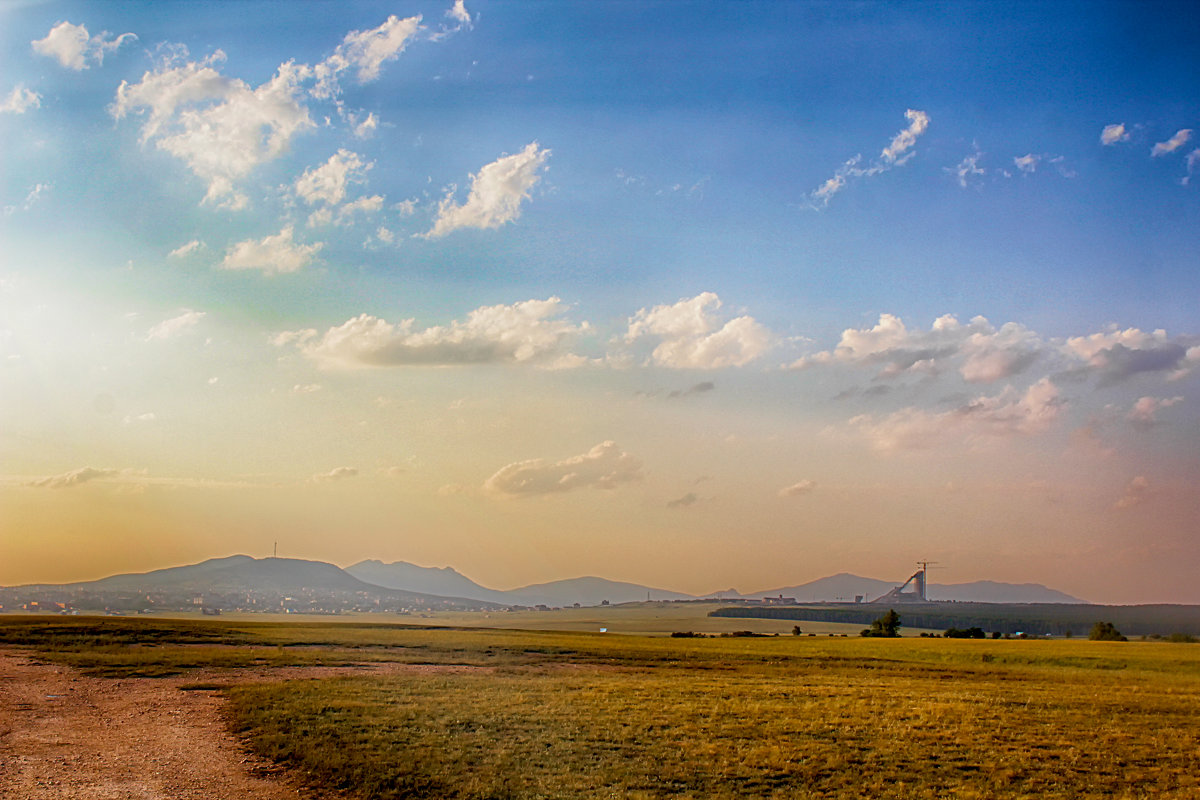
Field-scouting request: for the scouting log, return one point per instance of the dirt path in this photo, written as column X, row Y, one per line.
column 66, row 736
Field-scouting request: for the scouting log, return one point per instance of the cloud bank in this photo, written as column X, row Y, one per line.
column 529, row 332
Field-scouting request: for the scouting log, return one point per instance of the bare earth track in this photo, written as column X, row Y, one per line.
column 67, row 736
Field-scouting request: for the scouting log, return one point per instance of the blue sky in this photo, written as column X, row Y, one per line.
column 735, row 278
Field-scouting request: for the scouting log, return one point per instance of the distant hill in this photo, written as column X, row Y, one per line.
column 239, row 574
column 844, row 587
column 841, row 587
column 444, row 581
column 587, row 591
column 993, row 592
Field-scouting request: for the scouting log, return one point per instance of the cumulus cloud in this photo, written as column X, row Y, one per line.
column 690, row 336
column 985, row 418
column 327, row 183
column 73, row 478
column 73, row 47
column 174, row 326
column 364, row 52
column 896, row 154
column 1136, row 492
column 337, row 474
column 802, row 487
column 195, row 245
column 605, row 466
column 220, row 127
column 1144, row 413
column 496, row 194
column 1115, row 355
column 20, row 100
column 272, row 254
column 1112, row 134
column 529, row 332
column 458, row 12
column 306, row 388
column 1177, row 141
column 981, row 352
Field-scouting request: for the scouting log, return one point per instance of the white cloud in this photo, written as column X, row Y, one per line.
column 1027, row 163
column 306, row 388
column 894, row 155
column 73, row 47
column 174, row 326
column 73, row 478
column 982, row 353
column 20, row 100
column 1136, row 492
column 1113, row 134
column 220, row 127
column 342, row 214
column 796, row 489
column 365, row 128
column 691, row 337
column 1145, row 411
column 365, row 51
column 337, row 474
column 905, row 139
column 497, row 191
column 605, row 466
column 133, row 419
column 985, row 418
column 1177, row 141
column 327, row 183
column 35, row 195
column 458, row 12
column 530, row 332
column 968, row 169
column 1115, row 355
column 272, row 254
column 195, row 245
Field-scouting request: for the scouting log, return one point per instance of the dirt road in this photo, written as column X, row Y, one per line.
column 65, row 736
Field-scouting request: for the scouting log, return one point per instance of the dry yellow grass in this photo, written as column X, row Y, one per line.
column 600, row 717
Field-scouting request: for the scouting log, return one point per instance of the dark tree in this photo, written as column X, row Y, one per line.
column 886, row 627
column 1106, row 632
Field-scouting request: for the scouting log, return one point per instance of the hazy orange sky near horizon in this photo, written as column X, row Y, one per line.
column 698, row 296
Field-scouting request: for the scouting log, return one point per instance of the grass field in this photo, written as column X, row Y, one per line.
column 525, row 714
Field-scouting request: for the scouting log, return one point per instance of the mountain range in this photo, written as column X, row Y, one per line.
column 450, row 589
column 592, row 590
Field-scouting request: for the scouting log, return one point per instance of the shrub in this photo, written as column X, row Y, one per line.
column 965, row 633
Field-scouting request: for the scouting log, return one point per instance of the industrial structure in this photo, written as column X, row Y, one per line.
column 903, row 594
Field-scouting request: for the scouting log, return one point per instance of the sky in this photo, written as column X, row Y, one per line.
column 697, row 295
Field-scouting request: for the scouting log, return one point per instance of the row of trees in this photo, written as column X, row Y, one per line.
column 888, row 627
